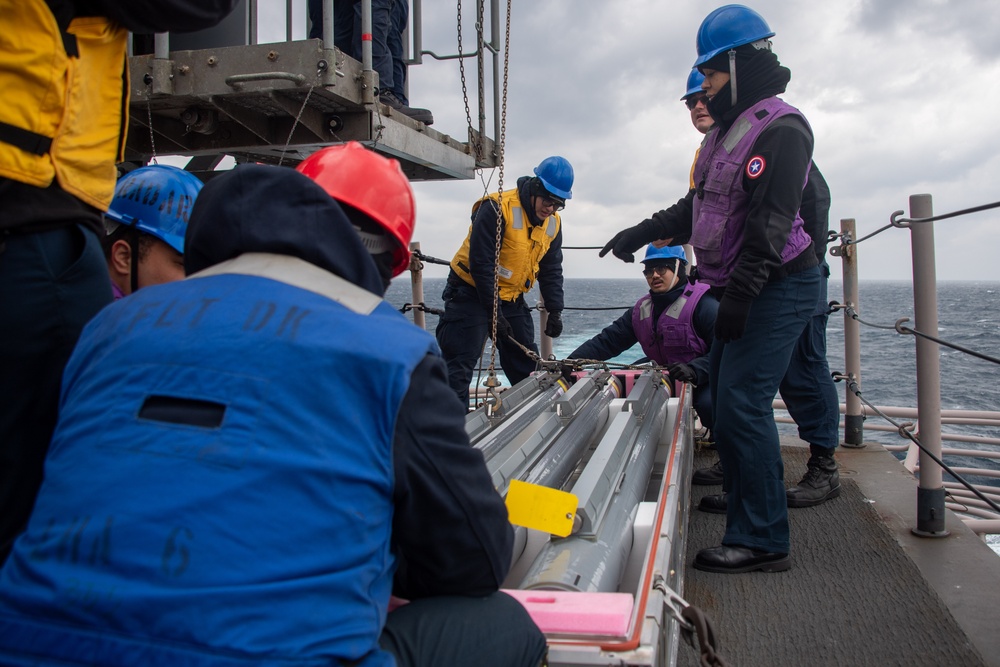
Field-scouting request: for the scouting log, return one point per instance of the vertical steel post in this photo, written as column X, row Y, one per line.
column 930, row 492
column 417, row 287
column 288, row 20
column 161, row 46
column 252, row 18
column 495, row 43
column 370, row 81
column 480, row 61
column 417, row 12
column 854, row 421
column 328, row 26
column 366, row 35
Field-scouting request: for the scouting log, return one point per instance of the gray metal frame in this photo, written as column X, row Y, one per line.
column 276, row 103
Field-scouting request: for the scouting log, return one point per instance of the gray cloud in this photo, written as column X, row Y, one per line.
column 899, row 94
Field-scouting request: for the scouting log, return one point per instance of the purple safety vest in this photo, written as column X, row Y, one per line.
column 671, row 339
column 719, row 218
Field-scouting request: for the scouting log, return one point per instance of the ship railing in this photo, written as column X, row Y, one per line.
column 977, row 504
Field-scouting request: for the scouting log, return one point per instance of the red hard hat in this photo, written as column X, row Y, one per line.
column 374, row 185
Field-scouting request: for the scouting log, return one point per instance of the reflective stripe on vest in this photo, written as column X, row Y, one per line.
column 672, row 338
column 524, row 245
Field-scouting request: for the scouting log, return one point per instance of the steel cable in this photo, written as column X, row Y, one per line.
column 904, row 432
column 899, row 328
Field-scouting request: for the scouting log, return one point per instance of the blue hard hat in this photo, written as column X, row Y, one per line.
column 157, row 200
column 728, row 27
column 666, row 252
column 694, row 83
column 556, row 175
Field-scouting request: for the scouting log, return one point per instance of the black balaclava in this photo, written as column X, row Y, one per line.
column 759, row 75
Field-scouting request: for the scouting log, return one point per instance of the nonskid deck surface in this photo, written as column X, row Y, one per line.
column 854, row 595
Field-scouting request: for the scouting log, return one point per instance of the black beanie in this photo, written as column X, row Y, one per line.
column 720, row 63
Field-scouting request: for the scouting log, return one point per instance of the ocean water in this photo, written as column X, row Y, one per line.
column 968, row 315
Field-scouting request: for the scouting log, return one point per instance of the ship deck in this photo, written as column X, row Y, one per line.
column 862, row 590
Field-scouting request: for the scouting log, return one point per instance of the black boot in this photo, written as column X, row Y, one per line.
column 708, row 476
column 713, row 503
column 388, row 98
column 820, row 483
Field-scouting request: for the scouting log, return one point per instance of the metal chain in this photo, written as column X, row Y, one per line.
column 496, row 204
column 477, row 146
column 503, row 112
column 693, row 623
column 480, row 63
column 149, row 115
column 496, row 285
column 580, row 363
column 381, row 124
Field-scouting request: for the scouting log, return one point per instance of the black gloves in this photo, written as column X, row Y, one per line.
column 731, row 321
column 554, row 326
column 503, row 328
column 682, row 372
column 627, row 241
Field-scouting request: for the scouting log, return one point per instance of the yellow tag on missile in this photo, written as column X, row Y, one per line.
column 541, row 508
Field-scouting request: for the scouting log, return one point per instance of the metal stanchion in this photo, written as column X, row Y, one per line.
column 930, row 492
column 854, row 421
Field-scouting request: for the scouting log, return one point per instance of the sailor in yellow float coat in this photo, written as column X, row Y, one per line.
column 524, row 245
column 63, row 120
column 531, row 249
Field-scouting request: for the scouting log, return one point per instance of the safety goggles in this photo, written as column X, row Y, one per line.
column 554, row 204
column 658, row 270
column 692, row 102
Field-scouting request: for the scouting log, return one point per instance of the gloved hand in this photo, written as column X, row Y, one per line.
column 503, row 328
column 731, row 321
column 682, row 372
column 554, row 326
column 627, row 241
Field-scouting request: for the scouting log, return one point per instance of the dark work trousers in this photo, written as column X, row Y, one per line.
column 389, row 20
column 400, row 14
column 701, row 400
column 343, row 25
column 463, row 329
column 745, row 375
column 808, row 388
column 493, row 631
column 51, row 284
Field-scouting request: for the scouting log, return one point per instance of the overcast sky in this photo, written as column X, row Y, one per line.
column 901, row 97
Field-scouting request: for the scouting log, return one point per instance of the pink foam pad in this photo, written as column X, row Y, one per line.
column 577, row 613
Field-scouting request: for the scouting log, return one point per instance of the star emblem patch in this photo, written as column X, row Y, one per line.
column 755, row 166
